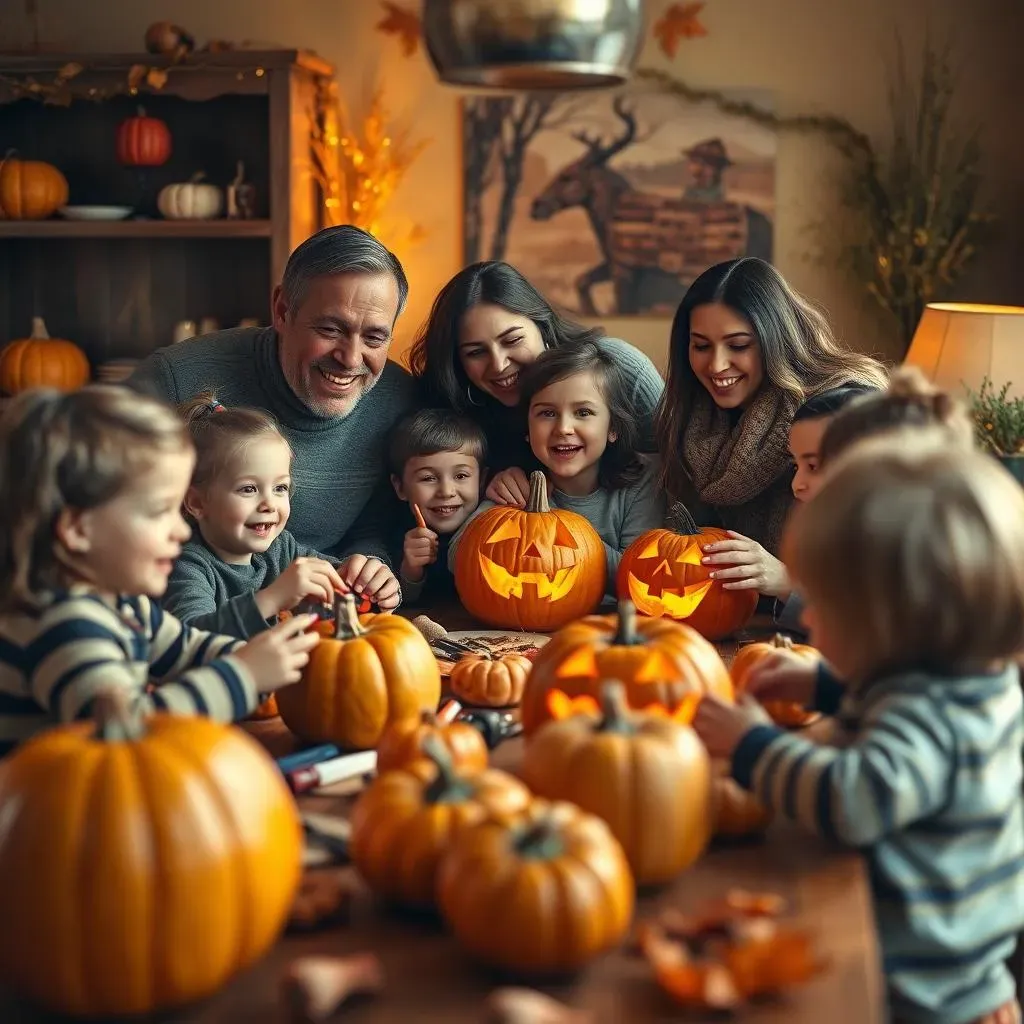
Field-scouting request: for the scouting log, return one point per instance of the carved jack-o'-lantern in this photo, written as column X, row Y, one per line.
column 661, row 573
column 532, row 569
column 659, row 661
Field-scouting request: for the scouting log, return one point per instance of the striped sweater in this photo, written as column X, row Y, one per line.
column 929, row 784
column 52, row 665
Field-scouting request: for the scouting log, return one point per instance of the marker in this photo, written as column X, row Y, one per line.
column 449, row 710
column 326, row 773
column 304, row 758
column 420, row 521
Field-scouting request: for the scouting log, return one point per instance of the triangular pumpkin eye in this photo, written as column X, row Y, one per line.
column 509, row 530
column 691, row 555
column 582, row 662
column 656, row 668
column 563, row 538
column 652, row 550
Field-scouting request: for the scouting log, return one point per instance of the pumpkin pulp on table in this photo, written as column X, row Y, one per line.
column 645, row 775
column 658, row 660
column 543, row 891
column 374, row 670
column 146, row 861
column 406, row 818
column 532, row 569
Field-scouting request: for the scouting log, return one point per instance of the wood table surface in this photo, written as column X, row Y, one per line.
column 430, row 979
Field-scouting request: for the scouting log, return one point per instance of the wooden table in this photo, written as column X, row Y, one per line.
column 431, row 979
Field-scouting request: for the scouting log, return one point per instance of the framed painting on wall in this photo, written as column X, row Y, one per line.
column 612, row 203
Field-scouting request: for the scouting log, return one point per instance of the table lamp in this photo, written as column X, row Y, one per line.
column 957, row 345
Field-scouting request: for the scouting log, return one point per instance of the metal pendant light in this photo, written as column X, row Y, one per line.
column 533, row 44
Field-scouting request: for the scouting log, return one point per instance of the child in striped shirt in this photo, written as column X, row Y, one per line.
column 90, row 526
column 911, row 563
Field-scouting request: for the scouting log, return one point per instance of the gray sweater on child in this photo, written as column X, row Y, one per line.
column 342, row 501
column 206, row 592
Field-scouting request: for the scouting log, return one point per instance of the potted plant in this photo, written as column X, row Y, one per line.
column 999, row 422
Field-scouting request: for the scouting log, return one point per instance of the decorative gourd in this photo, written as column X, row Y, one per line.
column 542, row 892
column 647, row 776
column 486, row 680
column 267, row 709
column 660, row 662
column 662, row 574
column 171, row 843
column 784, row 713
column 191, row 200
column 143, row 141
column 737, row 812
column 374, row 670
column 402, row 743
column 30, row 189
column 406, row 818
column 40, row 361
column 536, row 568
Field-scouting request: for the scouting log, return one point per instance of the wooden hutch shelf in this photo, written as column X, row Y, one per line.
column 118, row 288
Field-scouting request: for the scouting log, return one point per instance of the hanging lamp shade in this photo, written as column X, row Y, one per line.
column 533, row 44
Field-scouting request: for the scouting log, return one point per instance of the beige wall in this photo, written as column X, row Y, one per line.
column 815, row 56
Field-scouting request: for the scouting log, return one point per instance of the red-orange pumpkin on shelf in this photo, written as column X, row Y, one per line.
column 143, row 141
column 536, row 568
column 784, row 713
column 30, row 189
column 40, row 361
column 662, row 574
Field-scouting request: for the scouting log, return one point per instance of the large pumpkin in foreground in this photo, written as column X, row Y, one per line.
column 536, row 568
column 374, row 670
column 661, row 662
column 662, row 574
column 143, row 862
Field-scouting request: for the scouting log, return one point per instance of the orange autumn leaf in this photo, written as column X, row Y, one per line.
column 401, row 23
column 680, row 21
column 561, row 705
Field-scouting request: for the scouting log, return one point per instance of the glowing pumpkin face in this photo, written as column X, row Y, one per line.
column 661, row 573
column 660, row 662
column 532, row 569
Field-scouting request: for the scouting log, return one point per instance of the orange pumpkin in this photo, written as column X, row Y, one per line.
column 531, row 569
column 660, row 662
column 406, row 818
column 143, row 141
column 402, row 743
column 662, row 574
column 647, row 776
column 544, row 891
column 40, row 361
column 374, row 670
column 737, row 812
column 30, row 189
column 486, row 680
column 784, row 713
column 173, row 845
column 267, row 709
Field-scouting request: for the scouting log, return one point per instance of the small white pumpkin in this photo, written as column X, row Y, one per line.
column 191, row 200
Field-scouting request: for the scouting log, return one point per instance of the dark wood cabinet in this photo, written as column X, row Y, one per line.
column 118, row 288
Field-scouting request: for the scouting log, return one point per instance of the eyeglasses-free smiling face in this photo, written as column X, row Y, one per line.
column 725, row 355
column 244, row 511
column 494, row 345
column 570, row 427
column 445, row 486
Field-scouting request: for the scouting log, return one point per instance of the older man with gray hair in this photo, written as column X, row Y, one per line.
column 332, row 321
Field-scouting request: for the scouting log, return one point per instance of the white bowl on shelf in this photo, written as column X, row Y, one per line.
column 95, row 212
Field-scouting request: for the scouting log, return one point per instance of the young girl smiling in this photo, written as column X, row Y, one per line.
column 89, row 529
column 582, row 428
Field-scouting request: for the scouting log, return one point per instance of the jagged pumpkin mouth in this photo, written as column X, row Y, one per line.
column 551, row 585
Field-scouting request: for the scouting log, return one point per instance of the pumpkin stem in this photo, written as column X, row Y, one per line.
column 538, row 499
column 346, row 617
column 614, row 709
column 140, row 111
column 117, row 720
column 39, row 331
column 627, row 635
column 197, row 177
column 782, row 642
column 449, row 787
column 541, row 841
column 679, row 520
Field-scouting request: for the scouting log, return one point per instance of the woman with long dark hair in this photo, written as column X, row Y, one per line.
column 746, row 350
column 486, row 325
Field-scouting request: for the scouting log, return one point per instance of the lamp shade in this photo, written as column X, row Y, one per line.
column 957, row 345
column 533, row 44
